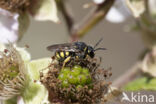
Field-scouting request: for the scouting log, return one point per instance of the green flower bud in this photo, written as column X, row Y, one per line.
column 62, row 76
column 79, row 86
column 75, row 72
column 85, row 71
column 76, row 76
column 72, row 79
column 65, row 70
column 65, row 83
column 82, row 79
column 77, row 67
column 89, row 79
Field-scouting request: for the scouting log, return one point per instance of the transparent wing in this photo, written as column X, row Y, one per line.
column 63, row 47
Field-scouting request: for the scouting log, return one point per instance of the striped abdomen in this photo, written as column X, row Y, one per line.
column 62, row 55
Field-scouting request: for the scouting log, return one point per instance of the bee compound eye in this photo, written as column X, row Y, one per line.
column 91, row 54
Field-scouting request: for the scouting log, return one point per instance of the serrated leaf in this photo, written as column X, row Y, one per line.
column 144, row 83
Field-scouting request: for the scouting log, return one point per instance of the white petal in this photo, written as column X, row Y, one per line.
column 34, row 67
column 24, row 54
column 47, row 10
column 8, row 26
column 115, row 16
column 98, row 1
column 20, row 100
column 2, row 47
column 119, row 12
column 152, row 6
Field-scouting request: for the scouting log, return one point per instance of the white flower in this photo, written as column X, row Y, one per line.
column 34, row 68
column 14, row 23
column 115, row 16
column 19, row 81
column 118, row 13
column 8, row 26
column 98, row 1
column 12, row 73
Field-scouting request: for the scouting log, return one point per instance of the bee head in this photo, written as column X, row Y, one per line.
column 90, row 51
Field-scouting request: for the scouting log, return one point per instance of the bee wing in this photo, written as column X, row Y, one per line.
column 62, row 47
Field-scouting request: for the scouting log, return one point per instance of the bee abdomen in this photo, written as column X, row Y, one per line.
column 62, row 55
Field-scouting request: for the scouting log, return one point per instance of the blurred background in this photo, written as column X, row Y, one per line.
column 123, row 48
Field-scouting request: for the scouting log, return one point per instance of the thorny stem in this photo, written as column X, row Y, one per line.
column 66, row 12
column 92, row 19
column 128, row 76
column 77, row 30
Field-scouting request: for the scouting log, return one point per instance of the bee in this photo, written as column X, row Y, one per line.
column 76, row 50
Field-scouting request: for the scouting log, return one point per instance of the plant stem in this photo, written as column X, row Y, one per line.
column 77, row 30
column 66, row 12
column 92, row 19
column 130, row 75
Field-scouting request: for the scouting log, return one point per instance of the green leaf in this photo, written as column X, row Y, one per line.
column 144, row 83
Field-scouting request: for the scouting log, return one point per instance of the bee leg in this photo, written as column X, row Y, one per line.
column 65, row 61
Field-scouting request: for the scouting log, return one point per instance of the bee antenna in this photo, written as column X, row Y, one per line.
column 100, row 49
column 98, row 43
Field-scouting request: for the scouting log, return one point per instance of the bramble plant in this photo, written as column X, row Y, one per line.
column 80, row 81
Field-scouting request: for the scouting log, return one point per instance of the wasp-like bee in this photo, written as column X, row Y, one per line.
column 76, row 50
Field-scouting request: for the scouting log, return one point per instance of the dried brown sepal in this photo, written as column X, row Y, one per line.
column 87, row 94
column 14, row 5
column 11, row 73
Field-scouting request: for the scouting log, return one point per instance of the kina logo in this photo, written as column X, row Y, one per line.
column 138, row 97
